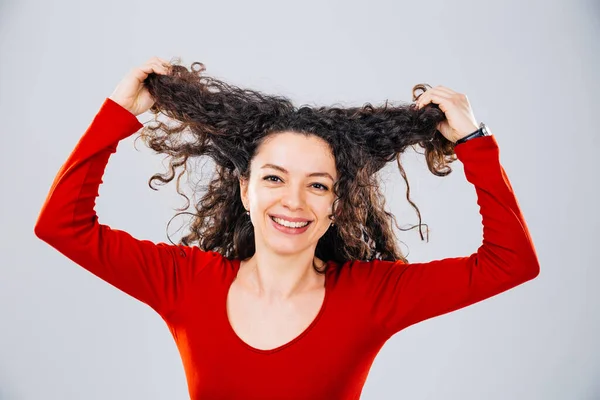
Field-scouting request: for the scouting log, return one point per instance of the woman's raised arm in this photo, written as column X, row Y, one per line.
column 401, row 294
column 156, row 274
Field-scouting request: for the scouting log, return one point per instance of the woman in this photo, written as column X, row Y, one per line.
column 296, row 281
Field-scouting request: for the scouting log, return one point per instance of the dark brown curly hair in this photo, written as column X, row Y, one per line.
column 228, row 124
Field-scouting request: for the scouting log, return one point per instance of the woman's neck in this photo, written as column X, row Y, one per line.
column 275, row 278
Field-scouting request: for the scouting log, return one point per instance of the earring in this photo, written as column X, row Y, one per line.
column 247, row 212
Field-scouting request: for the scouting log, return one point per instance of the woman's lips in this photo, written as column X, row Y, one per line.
column 290, row 231
column 290, row 219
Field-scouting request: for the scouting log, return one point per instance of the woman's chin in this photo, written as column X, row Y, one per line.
column 287, row 246
column 282, row 248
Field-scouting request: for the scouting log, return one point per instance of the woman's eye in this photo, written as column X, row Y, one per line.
column 267, row 178
column 273, row 178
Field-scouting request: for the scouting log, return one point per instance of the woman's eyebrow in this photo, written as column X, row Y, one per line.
column 279, row 168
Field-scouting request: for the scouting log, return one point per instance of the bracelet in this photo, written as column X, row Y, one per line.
column 479, row 132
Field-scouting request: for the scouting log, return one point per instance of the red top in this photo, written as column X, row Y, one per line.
column 365, row 302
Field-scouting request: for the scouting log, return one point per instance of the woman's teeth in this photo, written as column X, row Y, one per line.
column 289, row 224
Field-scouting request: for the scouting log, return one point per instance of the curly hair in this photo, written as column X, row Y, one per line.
column 228, row 124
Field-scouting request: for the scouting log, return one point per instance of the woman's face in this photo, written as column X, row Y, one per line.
column 292, row 176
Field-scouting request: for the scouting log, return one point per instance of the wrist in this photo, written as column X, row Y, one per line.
column 482, row 131
column 463, row 135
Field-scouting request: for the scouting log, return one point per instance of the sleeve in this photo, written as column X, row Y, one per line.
column 401, row 295
column 155, row 274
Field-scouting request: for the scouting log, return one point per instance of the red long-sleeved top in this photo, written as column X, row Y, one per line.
column 365, row 302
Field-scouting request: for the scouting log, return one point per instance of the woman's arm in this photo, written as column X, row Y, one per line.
column 156, row 274
column 401, row 294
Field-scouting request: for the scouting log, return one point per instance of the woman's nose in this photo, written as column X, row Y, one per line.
column 293, row 197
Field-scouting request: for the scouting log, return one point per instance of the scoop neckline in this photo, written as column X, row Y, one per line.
column 236, row 267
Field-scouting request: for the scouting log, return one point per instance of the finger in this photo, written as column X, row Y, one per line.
column 442, row 89
column 150, row 68
column 426, row 94
column 160, row 68
column 162, row 63
column 153, row 67
column 164, row 68
column 165, row 63
column 457, row 98
column 434, row 96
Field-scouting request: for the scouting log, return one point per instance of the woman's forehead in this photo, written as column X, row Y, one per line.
column 296, row 153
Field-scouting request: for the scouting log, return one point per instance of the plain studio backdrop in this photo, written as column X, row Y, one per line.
column 530, row 71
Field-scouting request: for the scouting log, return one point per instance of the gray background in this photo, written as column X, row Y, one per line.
column 530, row 70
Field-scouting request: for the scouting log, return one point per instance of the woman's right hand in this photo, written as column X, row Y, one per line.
column 131, row 94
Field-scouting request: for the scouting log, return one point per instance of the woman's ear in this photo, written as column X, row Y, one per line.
column 336, row 209
column 244, row 191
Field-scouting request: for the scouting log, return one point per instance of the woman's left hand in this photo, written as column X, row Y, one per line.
column 460, row 121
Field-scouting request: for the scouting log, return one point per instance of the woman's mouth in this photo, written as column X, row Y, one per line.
column 289, row 227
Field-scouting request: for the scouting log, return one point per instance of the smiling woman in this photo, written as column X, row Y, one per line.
column 296, row 202
column 290, row 280
column 230, row 124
